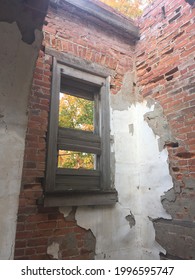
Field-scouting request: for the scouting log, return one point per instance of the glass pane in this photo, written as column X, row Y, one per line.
column 76, row 160
column 75, row 112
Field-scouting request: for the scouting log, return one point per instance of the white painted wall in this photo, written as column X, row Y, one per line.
column 17, row 62
column 141, row 177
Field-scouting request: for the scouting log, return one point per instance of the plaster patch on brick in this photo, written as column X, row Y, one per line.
column 177, row 236
column 53, row 250
column 71, row 242
column 172, row 201
column 65, row 211
column 189, row 183
column 175, row 196
column 169, row 195
column 141, row 176
column 159, row 125
column 127, row 95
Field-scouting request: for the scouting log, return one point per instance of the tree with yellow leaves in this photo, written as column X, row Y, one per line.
column 130, row 8
column 75, row 113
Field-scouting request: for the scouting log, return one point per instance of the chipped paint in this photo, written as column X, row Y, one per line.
column 65, row 211
column 126, row 96
column 141, row 177
column 159, row 124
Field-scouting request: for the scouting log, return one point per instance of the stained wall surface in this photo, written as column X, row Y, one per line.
column 17, row 60
column 21, row 37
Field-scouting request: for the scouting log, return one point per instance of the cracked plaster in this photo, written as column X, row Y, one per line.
column 159, row 124
column 141, row 178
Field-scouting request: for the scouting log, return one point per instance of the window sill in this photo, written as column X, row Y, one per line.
column 80, row 199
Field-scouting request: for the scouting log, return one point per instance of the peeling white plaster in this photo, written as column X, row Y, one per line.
column 17, row 61
column 53, row 250
column 141, row 178
column 65, row 211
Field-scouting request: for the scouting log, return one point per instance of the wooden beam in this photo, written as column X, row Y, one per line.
column 81, row 75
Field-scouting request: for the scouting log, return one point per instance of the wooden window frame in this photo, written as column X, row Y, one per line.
column 95, row 185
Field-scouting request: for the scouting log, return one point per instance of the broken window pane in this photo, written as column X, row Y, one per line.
column 75, row 112
column 75, row 160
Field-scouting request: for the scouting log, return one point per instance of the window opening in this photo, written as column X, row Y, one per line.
column 76, row 160
column 78, row 149
column 76, row 112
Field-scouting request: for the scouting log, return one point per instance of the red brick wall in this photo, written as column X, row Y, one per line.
column 165, row 62
column 38, row 227
column 165, row 65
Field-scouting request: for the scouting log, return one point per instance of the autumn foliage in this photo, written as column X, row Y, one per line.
column 130, row 8
column 75, row 113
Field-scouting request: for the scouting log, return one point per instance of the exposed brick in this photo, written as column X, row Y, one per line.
column 47, row 225
column 164, row 57
column 23, row 235
column 37, row 242
column 20, row 244
column 173, row 58
column 19, row 252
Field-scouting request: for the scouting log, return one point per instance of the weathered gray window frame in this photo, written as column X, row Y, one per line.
column 61, row 185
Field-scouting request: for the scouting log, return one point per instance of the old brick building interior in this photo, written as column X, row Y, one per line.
column 138, row 201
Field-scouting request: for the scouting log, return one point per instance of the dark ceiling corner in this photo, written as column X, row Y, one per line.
column 28, row 14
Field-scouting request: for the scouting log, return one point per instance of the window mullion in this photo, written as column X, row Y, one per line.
column 105, row 136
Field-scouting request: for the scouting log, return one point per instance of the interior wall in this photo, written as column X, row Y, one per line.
column 165, row 65
column 152, row 145
column 17, row 61
column 53, row 233
column 141, row 175
column 21, row 37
